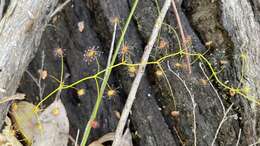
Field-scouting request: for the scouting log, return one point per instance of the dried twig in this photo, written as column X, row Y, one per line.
column 137, row 80
column 183, row 37
column 33, row 78
column 75, row 141
column 221, row 123
column 192, row 100
column 59, row 8
column 18, row 96
column 77, row 138
column 38, row 81
column 222, row 105
column 239, row 136
column 105, row 138
column 112, row 45
column 41, row 90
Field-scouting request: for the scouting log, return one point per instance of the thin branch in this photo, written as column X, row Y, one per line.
column 77, row 138
column 59, row 8
column 184, row 40
column 18, row 96
column 33, row 78
column 73, row 140
column 112, row 45
column 192, row 100
column 222, row 105
column 221, row 123
column 38, row 81
column 239, row 136
column 41, row 90
column 137, row 80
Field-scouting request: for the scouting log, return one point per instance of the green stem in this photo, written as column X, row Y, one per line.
column 106, row 77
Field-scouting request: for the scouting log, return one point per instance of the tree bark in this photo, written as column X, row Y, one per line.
column 233, row 28
column 20, row 34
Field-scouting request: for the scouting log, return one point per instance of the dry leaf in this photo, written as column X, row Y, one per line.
column 7, row 137
column 117, row 114
column 126, row 139
column 55, row 126
column 107, row 137
column 25, row 119
column 51, row 127
column 81, row 26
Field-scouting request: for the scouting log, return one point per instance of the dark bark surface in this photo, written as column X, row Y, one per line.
column 151, row 121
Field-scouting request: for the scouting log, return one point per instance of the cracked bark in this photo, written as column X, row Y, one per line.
column 19, row 41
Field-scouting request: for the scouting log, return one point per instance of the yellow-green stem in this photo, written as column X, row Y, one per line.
column 106, row 77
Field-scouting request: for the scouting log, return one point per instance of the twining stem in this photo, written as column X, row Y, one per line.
column 199, row 56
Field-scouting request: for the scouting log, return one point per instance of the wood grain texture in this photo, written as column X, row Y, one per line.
column 19, row 43
column 242, row 25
